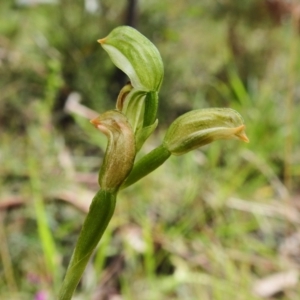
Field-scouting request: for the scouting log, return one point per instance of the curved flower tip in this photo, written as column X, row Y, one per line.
column 101, row 41
column 120, row 151
column 240, row 134
column 122, row 96
column 99, row 125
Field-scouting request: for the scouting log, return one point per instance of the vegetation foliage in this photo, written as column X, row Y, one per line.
column 207, row 225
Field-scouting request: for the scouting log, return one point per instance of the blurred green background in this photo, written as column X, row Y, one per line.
column 222, row 222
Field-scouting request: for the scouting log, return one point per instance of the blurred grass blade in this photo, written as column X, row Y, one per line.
column 238, row 86
column 6, row 259
column 44, row 231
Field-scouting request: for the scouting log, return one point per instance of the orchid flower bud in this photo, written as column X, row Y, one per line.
column 120, row 152
column 200, row 127
column 140, row 108
column 136, row 56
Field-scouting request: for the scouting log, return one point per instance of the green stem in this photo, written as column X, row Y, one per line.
column 146, row 165
column 100, row 213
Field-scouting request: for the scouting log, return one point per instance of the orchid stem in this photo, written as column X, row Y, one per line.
column 146, row 165
column 97, row 219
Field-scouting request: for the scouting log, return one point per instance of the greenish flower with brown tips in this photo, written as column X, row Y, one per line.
column 120, row 152
column 203, row 126
column 136, row 56
column 140, row 60
column 128, row 127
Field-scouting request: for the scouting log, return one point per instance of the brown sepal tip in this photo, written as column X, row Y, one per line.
column 240, row 133
column 101, row 41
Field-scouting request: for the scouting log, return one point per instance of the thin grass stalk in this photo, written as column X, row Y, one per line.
column 6, row 259
column 44, row 232
column 289, row 101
